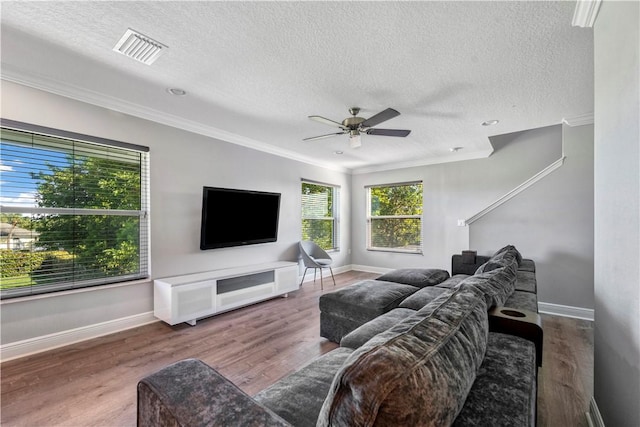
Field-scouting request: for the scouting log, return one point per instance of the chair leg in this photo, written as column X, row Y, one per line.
column 314, row 274
column 305, row 273
column 321, row 284
column 334, row 279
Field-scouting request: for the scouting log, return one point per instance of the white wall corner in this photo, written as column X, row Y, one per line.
column 584, row 119
column 594, row 419
column 585, row 13
column 566, row 311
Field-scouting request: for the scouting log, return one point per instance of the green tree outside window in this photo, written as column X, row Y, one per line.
column 395, row 217
column 318, row 214
column 77, row 211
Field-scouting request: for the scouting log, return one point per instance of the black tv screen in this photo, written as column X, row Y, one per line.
column 238, row 217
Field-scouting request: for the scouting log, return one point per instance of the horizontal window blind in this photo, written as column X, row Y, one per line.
column 74, row 213
column 319, row 214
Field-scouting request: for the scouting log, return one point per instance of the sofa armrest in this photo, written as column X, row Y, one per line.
column 522, row 323
column 191, row 393
column 459, row 266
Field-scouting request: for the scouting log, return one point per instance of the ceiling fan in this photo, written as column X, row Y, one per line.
column 354, row 126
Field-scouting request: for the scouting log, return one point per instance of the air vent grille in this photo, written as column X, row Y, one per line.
column 139, row 47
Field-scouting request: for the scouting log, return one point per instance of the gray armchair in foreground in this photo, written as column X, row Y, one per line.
column 315, row 257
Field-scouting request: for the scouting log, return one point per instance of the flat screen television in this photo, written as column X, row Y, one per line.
column 233, row 217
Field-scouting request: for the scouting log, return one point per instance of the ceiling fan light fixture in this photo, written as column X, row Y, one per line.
column 490, row 122
column 355, row 126
column 354, row 139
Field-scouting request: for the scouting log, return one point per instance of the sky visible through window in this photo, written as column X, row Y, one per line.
column 18, row 164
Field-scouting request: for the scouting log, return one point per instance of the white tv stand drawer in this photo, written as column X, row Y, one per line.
column 193, row 296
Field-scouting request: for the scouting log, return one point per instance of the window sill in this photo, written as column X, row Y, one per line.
column 396, row 251
column 74, row 291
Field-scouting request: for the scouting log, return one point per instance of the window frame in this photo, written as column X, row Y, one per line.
column 370, row 218
column 143, row 213
column 335, row 214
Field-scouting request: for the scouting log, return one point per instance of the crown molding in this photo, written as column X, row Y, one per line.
column 480, row 154
column 28, row 79
column 585, row 119
column 585, row 13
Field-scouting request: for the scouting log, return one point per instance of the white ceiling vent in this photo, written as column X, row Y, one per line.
column 139, row 47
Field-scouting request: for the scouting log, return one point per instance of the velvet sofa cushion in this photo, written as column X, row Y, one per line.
column 419, row 277
column 511, row 250
column 523, row 301
column 421, row 298
column 364, row 333
column 298, row 397
column 191, row 393
column 526, row 281
column 365, row 300
column 416, row 373
column 527, row 265
column 504, row 392
column 502, row 257
column 497, row 285
column 452, row 281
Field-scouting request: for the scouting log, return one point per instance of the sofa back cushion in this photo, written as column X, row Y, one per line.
column 497, row 285
column 509, row 250
column 508, row 254
column 419, row 372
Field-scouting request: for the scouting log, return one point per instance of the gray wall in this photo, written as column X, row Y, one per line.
column 181, row 164
column 552, row 223
column 617, row 213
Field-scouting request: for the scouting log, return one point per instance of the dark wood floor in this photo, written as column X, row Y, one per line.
column 93, row 383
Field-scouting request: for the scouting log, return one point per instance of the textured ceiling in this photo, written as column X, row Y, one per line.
column 254, row 71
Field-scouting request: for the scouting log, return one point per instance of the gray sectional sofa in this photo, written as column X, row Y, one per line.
column 348, row 308
column 436, row 365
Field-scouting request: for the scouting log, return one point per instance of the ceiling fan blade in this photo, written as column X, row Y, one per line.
column 388, row 132
column 382, row 116
column 329, row 122
column 313, row 138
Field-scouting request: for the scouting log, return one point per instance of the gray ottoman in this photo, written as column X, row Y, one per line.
column 348, row 308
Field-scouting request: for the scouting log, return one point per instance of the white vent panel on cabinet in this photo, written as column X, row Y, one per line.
column 287, row 279
column 192, row 302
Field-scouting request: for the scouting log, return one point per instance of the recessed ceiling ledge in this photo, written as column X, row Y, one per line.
column 585, row 119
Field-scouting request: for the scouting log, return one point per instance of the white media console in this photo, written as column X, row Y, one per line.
column 194, row 296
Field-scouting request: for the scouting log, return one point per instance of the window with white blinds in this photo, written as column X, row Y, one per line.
column 74, row 210
column 394, row 217
column 320, row 214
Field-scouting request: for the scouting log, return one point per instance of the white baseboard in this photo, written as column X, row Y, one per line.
column 30, row 346
column 594, row 419
column 325, row 273
column 370, row 269
column 566, row 311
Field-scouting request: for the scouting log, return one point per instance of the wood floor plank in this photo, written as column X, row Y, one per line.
column 93, row 383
